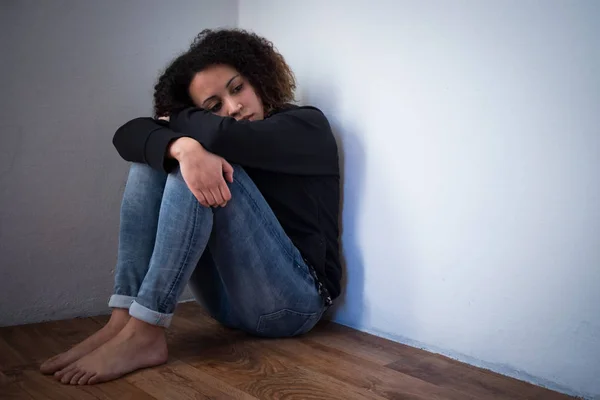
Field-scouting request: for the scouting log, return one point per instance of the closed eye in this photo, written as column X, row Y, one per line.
column 238, row 88
column 216, row 108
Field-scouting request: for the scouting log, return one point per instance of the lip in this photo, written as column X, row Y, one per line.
column 248, row 117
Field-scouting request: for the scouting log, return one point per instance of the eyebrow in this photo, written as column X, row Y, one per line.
column 226, row 86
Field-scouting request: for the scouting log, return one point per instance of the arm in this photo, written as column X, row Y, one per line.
column 204, row 173
column 298, row 141
column 131, row 138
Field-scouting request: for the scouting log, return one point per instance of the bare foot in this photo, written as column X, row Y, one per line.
column 118, row 320
column 138, row 345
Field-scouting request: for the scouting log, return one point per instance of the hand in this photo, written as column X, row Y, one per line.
column 203, row 172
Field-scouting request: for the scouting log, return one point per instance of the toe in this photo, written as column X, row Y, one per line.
column 66, row 378
column 75, row 379
column 50, row 360
column 60, row 373
column 84, row 378
column 47, row 366
column 89, row 379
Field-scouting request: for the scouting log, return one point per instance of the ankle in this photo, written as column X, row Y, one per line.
column 118, row 319
column 139, row 328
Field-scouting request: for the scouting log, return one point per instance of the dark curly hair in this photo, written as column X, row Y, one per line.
column 252, row 56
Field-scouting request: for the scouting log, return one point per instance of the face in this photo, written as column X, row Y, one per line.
column 223, row 91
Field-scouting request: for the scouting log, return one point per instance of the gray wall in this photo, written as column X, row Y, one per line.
column 71, row 72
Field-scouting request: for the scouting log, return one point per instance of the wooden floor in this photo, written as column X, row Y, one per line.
column 208, row 361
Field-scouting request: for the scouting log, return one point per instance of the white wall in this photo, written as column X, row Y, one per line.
column 471, row 140
column 71, row 72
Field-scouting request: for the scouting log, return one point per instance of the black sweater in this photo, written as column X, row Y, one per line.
column 291, row 156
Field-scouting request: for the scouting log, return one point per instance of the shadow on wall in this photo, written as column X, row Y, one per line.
column 350, row 307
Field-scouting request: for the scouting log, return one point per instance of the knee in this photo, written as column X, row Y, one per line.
column 240, row 176
column 242, row 184
column 143, row 172
column 175, row 181
column 142, row 178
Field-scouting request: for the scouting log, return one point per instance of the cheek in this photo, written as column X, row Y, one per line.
column 256, row 102
column 249, row 96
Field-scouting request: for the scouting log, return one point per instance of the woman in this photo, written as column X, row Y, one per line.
column 231, row 189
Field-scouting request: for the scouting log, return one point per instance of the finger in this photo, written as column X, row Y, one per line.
column 225, row 193
column 224, row 196
column 223, row 202
column 228, row 171
column 200, row 196
column 210, row 199
column 218, row 197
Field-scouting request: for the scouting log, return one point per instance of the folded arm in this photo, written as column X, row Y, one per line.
column 296, row 141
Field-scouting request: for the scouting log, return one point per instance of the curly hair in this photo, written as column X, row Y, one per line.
column 252, row 56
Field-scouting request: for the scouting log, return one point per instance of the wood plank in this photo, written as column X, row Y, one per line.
column 14, row 392
column 10, row 389
column 221, row 352
column 192, row 338
column 30, row 346
column 42, row 387
column 24, row 382
column 240, row 362
column 302, row 384
column 116, row 390
column 428, row 366
column 4, row 379
column 36, row 342
column 448, row 373
column 368, row 347
column 361, row 373
column 9, row 377
column 10, row 358
column 257, row 360
column 181, row 381
column 238, row 359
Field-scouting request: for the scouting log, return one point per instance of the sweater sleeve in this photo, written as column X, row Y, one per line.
column 297, row 141
column 131, row 141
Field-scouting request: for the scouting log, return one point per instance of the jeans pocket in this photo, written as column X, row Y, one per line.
column 286, row 323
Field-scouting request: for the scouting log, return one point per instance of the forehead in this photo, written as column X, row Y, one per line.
column 211, row 80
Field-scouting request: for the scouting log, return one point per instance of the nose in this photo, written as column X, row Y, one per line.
column 234, row 108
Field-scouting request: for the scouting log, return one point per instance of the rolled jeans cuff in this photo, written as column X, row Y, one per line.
column 120, row 301
column 138, row 311
column 150, row 316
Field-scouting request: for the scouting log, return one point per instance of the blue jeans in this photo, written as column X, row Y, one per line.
column 238, row 260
